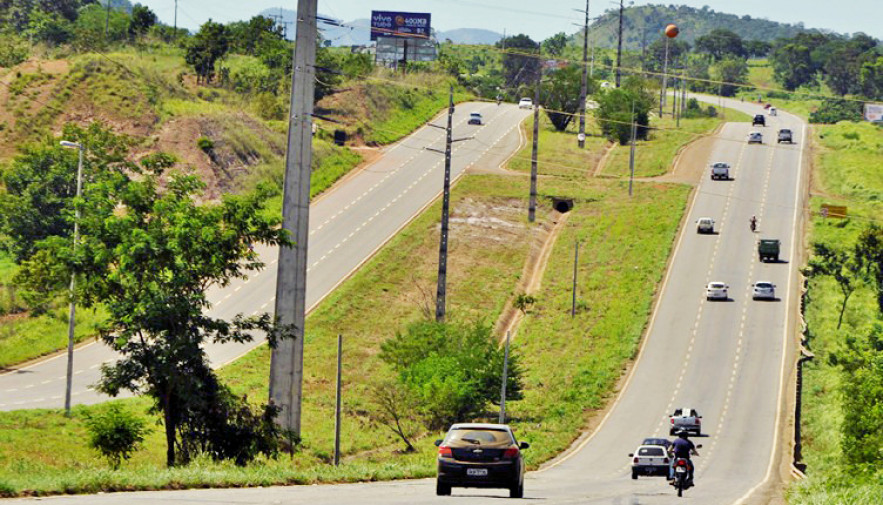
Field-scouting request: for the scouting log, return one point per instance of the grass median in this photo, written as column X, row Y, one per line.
column 570, row 363
column 842, row 175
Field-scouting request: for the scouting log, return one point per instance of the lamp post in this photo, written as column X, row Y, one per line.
column 73, row 303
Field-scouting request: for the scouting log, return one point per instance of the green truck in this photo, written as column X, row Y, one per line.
column 768, row 249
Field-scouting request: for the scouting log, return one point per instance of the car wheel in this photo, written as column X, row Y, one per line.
column 442, row 489
column 635, row 474
column 517, row 491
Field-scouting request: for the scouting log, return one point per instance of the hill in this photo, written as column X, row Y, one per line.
column 469, row 36
column 644, row 23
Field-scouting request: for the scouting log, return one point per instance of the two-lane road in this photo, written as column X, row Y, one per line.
column 347, row 226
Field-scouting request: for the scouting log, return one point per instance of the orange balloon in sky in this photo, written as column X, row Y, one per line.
column 672, row 31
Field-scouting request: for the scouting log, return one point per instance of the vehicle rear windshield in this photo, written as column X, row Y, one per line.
column 478, row 436
column 651, row 451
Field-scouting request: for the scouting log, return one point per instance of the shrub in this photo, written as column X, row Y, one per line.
column 115, row 433
column 205, row 143
column 833, row 111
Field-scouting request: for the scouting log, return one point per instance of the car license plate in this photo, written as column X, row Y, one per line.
column 476, row 472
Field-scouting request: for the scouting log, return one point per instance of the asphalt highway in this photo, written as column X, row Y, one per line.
column 347, row 225
column 726, row 359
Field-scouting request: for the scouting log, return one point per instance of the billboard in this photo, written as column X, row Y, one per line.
column 399, row 24
column 874, row 112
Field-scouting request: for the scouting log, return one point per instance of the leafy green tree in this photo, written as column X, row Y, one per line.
column 520, row 65
column 721, row 43
column 13, row 50
column 616, row 106
column 454, row 371
column 836, row 110
column 730, row 71
column 142, row 20
column 247, row 37
column 871, row 78
column 89, row 28
column 41, row 185
column 869, row 255
column 554, row 45
column 757, row 48
column 560, row 95
column 654, row 59
column 862, row 388
column 793, row 66
column 837, row 264
column 210, row 44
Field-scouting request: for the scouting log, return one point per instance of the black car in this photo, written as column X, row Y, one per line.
column 475, row 118
column 480, row 455
column 785, row 135
column 759, row 119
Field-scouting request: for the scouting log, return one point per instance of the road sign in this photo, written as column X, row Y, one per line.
column 838, row 211
column 874, row 112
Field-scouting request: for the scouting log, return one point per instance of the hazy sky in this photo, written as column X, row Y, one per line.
column 539, row 19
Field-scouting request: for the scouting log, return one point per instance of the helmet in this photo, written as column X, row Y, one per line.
column 682, row 433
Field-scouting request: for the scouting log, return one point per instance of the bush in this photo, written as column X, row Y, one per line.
column 13, row 50
column 453, row 371
column 833, row 111
column 205, row 143
column 115, row 433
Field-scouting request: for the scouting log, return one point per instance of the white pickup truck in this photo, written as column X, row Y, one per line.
column 686, row 419
column 720, row 170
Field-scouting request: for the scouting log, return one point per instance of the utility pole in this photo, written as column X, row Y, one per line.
column 505, row 379
column 441, row 290
column 71, row 321
column 107, row 21
column 632, row 150
column 532, row 205
column 287, row 359
column 575, row 263
column 337, row 407
column 664, row 79
column 619, row 46
column 581, row 138
column 175, row 29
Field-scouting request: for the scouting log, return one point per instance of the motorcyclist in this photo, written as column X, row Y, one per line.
column 753, row 223
column 682, row 447
column 499, row 99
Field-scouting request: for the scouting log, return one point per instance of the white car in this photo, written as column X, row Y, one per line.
column 525, row 103
column 720, row 170
column 755, row 137
column 705, row 225
column 763, row 290
column 649, row 460
column 716, row 291
column 772, row 111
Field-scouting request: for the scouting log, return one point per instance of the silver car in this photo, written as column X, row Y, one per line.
column 705, row 225
column 755, row 137
column 716, row 291
column 763, row 290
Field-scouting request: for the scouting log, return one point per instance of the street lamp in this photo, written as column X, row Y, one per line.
column 73, row 302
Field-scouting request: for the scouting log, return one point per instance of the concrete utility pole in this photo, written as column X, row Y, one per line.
column 175, row 28
column 632, row 150
column 446, row 202
column 71, row 318
column 337, row 408
column 575, row 264
column 664, row 80
column 287, row 360
column 505, row 379
column 532, row 205
column 619, row 46
column 581, row 138
column 107, row 20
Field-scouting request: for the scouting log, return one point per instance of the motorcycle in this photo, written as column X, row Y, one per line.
column 682, row 476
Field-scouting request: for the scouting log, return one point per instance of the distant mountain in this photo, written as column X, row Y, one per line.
column 645, row 23
column 469, row 36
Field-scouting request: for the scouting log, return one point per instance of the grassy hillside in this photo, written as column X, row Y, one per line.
column 844, row 154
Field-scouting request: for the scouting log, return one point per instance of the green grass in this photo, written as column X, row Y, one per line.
column 556, row 155
column 27, row 337
column 570, row 364
column 843, row 154
column 654, row 157
column 760, row 74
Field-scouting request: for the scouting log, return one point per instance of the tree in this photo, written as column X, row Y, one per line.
column 721, row 43
column 871, row 78
column 869, row 256
column 837, row 264
column 142, row 19
column 843, row 64
column 452, row 370
column 41, row 184
column 835, row 110
column 655, row 56
column 862, row 393
column 520, row 66
column 757, row 48
column 395, row 407
column 115, row 433
column 615, row 108
column 560, row 95
column 554, row 45
column 210, row 44
column 730, row 71
column 793, row 66
column 148, row 253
